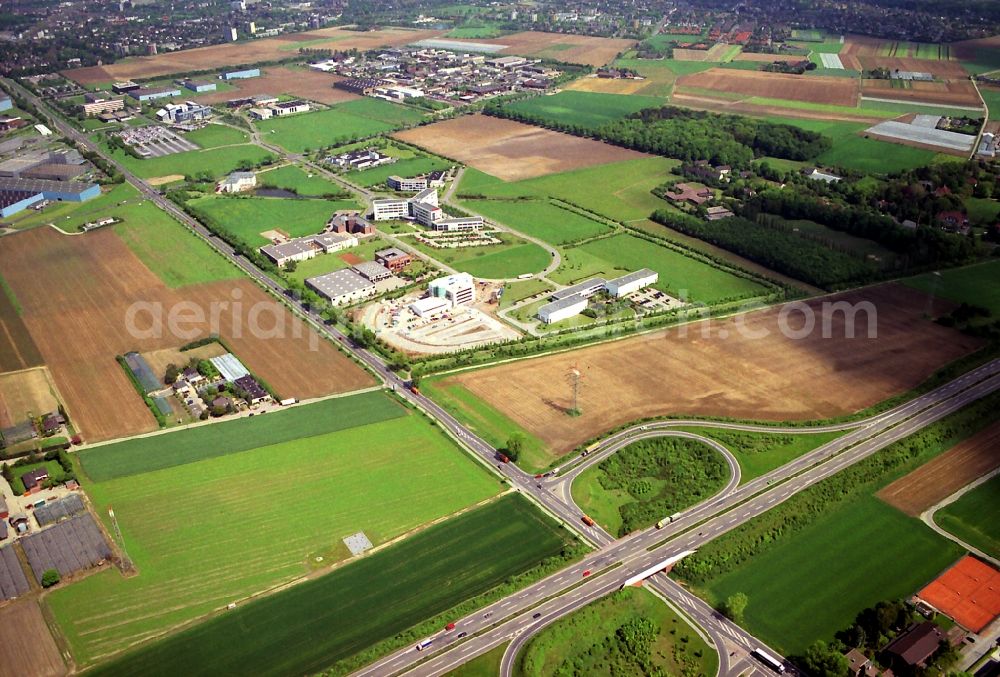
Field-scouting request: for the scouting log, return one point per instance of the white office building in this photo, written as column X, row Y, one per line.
column 562, row 309
column 626, row 284
column 384, row 209
column 459, row 288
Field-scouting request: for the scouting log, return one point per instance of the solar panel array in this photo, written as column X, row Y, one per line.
column 13, row 582
column 69, row 546
column 56, row 510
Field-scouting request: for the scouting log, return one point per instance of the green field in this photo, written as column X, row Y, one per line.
column 901, row 108
column 474, row 32
column 518, row 291
column 587, row 642
column 216, row 161
column 975, row 285
column 680, row 275
column 487, row 422
column 295, row 179
column 311, row 626
column 213, row 136
column 648, row 480
column 540, row 218
column 513, row 257
column 158, row 452
column 830, row 571
column 248, row 217
column 586, row 109
column 982, row 211
column 203, row 532
column 409, row 162
column 337, row 125
column 973, row 517
column 758, row 453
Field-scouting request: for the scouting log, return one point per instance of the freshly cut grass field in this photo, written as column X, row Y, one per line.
column 680, row 275
column 207, row 533
column 311, row 626
column 513, row 257
column 291, row 177
column 588, row 109
column 518, row 291
column 216, row 161
column 337, row 125
column 540, row 218
column 975, row 285
column 973, row 517
column 212, row 136
column 250, row 216
column 158, row 452
column 832, row 564
column 578, row 643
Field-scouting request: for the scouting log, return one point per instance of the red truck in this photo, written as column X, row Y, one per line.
column 589, row 522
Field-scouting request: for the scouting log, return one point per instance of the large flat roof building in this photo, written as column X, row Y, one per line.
column 342, row 286
column 561, row 309
column 626, row 284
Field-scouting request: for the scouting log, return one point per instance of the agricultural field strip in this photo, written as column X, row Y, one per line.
column 877, row 432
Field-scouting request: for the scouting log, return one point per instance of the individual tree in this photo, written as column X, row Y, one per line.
column 171, row 374
column 515, row 445
column 291, row 266
column 50, row 578
column 735, row 605
column 823, row 660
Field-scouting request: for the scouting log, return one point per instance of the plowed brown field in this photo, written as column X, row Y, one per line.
column 938, row 67
column 17, row 350
column 28, row 647
column 25, row 393
column 814, row 89
column 77, row 293
column 235, row 54
column 946, row 474
column 304, row 83
column 725, row 372
column 956, row 92
column 511, row 150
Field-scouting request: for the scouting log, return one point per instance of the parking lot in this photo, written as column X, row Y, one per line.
column 654, row 300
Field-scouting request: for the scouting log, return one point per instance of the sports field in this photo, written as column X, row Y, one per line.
column 543, row 219
column 203, row 533
column 681, row 276
column 311, row 626
column 831, row 564
column 340, row 124
column 588, row 641
column 973, row 517
column 248, row 217
column 586, row 109
column 295, row 179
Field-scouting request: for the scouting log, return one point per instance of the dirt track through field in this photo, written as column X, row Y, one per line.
column 944, row 475
column 811, row 88
column 511, row 150
column 725, row 372
column 234, row 54
column 77, row 293
column 28, row 647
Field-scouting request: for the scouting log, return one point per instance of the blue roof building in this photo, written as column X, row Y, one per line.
column 5, row 102
column 241, row 75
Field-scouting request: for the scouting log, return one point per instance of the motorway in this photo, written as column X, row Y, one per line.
column 514, row 617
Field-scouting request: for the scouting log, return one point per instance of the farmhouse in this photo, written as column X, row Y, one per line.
column 33, row 479
column 255, row 393
column 686, row 192
column 394, row 259
column 459, row 288
column 915, row 646
column 342, row 286
column 237, row 182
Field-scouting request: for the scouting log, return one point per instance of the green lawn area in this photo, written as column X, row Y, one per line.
column 648, row 480
column 901, row 108
column 248, row 217
column 52, row 467
column 483, row 665
column 158, row 452
column 212, row 136
column 487, row 422
column 311, row 626
column 511, row 258
column 972, row 284
column 216, row 161
column 518, row 291
column 680, row 274
column 586, row 642
column 758, row 453
column 661, row 74
column 327, row 263
column 337, row 125
column 587, row 109
column 991, row 95
column 294, row 178
column 973, row 517
column 203, row 530
column 474, row 32
column 540, row 218
column 829, row 571
column 982, row 211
